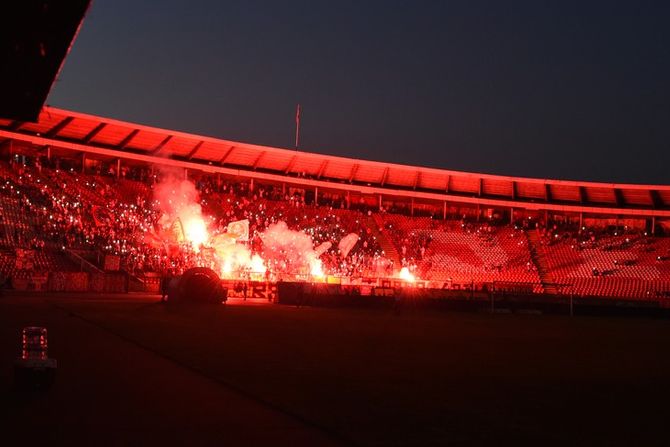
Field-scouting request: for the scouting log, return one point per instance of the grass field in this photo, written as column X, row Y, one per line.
column 343, row 376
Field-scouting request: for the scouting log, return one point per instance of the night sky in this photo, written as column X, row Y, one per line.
column 568, row 90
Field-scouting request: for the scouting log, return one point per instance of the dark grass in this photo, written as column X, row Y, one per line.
column 375, row 377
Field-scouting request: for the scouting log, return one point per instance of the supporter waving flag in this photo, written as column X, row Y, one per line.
column 99, row 215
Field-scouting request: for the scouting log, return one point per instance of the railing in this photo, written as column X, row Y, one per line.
column 84, row 265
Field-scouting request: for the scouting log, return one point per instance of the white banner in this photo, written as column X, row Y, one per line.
column 347, row 243
column 239, row 229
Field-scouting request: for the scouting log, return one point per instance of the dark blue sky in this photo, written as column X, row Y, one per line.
column 572, row 90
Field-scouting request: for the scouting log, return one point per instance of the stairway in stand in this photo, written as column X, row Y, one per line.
column 374, row 222
column 540, row 260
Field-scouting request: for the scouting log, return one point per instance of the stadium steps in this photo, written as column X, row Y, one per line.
column 375, row 223
column 540, row 260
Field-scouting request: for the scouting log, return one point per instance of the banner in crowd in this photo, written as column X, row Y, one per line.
column 347, row 243
column 177, row 230
column 322, row 248
column 239, row 229
column 99, row 214
column 151, row 238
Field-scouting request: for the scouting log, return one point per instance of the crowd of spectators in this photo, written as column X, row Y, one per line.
column 54, row 206
column 59, row 208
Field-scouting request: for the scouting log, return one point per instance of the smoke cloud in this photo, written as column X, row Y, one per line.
column 289, row 250
column 178, row 200
column 283, row 250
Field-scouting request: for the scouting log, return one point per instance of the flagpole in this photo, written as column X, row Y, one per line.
column 297, row 126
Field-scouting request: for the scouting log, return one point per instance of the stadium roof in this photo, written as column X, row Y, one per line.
column 108, row 138
column 35, row 38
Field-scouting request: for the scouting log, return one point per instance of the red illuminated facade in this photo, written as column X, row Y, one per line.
column 62, row 133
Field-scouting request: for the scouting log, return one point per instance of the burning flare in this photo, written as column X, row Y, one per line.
column 283, row 250
column 406, row 275
column 178, row 201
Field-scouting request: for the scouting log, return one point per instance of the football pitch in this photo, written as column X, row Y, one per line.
column 132, row 371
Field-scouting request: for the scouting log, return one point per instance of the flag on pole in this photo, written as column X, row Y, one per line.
column 297, row 126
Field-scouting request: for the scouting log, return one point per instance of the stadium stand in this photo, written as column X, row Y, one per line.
column 459, row 252
column 628, row 265
column 64, row 209
column 45, row 211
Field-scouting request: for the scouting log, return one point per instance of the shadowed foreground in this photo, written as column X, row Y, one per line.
column 133, row 371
